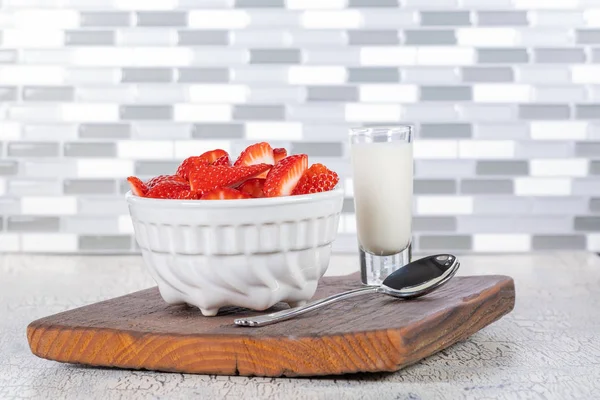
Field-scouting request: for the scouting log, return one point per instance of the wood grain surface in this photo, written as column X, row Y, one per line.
column 366, row 334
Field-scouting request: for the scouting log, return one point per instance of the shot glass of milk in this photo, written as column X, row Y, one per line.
column 382, row 166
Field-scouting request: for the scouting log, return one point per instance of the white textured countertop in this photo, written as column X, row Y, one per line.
column 547, row 348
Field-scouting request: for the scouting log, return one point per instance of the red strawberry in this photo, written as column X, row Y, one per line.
column 209, row 177
column 167, row 190
column 186, row 195
column 192, row 163
column 259, row 153
column 222, row 161
column 225, row 194
column 253, row 187
column 162, row 178
column 318, row 178
column 284, row 176
column 279, row 154
column 138, row 187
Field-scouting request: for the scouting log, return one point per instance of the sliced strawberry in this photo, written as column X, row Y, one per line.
column 186, row 195
column 225, row 194
column 318, row 178
column 253, row 187
column 284, row 176
column 279, row 154
column 209, row 177
column 138, row 187
column 192, row 163
column 222, row 161
column 162, row 178
column 259, row 153
column 167, row 190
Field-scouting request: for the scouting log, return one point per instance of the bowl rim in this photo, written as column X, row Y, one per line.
column 273, row 201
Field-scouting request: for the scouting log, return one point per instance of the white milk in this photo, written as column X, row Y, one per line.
column 383, row 187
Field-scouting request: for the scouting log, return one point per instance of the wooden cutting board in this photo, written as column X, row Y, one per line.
column 369, row 333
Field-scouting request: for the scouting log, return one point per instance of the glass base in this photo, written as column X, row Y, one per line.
column 374, row 269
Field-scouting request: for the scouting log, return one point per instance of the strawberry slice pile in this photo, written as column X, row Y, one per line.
column 259, row 171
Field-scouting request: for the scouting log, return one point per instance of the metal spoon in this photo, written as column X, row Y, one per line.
column 413, row 280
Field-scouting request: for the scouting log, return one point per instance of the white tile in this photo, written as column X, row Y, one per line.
column 435, row 149
column 585, row 73
column 65, row 205
column 593, row 242
column 315, row 4
column 348, row 222
column 559, row 167
column 486, row 37
column 219, row 93
column 145, row 4
column 146, row 37
column 107, row 94
column 546, row 18
column 445, row 56
column 542, row 187
column 388, row 93
column 2, row 186
column 15, row 38
column 388, row 56
column 592, row 16
column 125, row 224
column 44, row 19
column 218, row 19
column 194, row 112
column 307, row 75
column 558, row 130
column 346, row 19
column 31, row 75
column 348, row 187
column 273, row 131
column 162, row 56
column 48, row 242
column 104, row 168
column 10, row 130
column 145, row 149
column 357, row 112
column 502, row 93
column 444, row 205
column 501, row 242
column 187, row 148
column 545, row 4
column 96, row 76
column 103, row 56
column 484, row 149
column 90, row 112
column 9, row 242
column 41, row 113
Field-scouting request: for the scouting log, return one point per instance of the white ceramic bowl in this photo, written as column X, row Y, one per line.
column 249, row 253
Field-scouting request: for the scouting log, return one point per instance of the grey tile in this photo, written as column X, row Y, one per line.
column 372, row 3
column 258, row 112
column 324, row 56
column 543, row 149
column 218, row 131
column 445, row 18
column 25, row 223
column 559, row 56
column 485, row 186
column 587, row 149
column 595, row 205
column 502, row 18
column 503, row 168
column 8, row 56
column 32, row 149
column 34, row 187
column 152, row 168
column 433, row 4
column 502, row 56
column 161, row 18
column 557, row 205
column 155, row 112
column 557, row 74
column 306, row 38
column 487, row 112
column 104, row 131
column 161, row 130
column 332, row 93
column 8, row 93
column 501, row 130
column 501, row 205
column 102, row 205
column 275, row 56
column 74, row 149
column 48, row 93
column 444, row 168
column 373, row 74
column 146, row 75
column 105, row 19
column 259, row 3
column 97, row 225
column 558, row 242
column 372, row 37
column 89, row 186
column 546, row 37
column 446, row 93
column 434, row 186
column 104, row 243
column 586, row 186
column 513, row 223
column 587, row 111
column 588, row 36
column 587, row 224
column 202, row 38
column 123, row 186
column 445, row 242
column 318, row 149
column 445, row 131
column 560, row 94
column 487, row 74
column 430, row 112
column 316, row 112
column 89, row 38
column 595, row 168
column 348, row 206
column 430, row 75
column 434, row 224
column 544, row 111
column 9, row 205
column 425, row 37
column 185, row 75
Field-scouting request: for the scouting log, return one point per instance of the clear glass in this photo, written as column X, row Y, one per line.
column 382, row 167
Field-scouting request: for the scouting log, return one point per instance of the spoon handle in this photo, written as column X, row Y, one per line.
column 279, row 316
